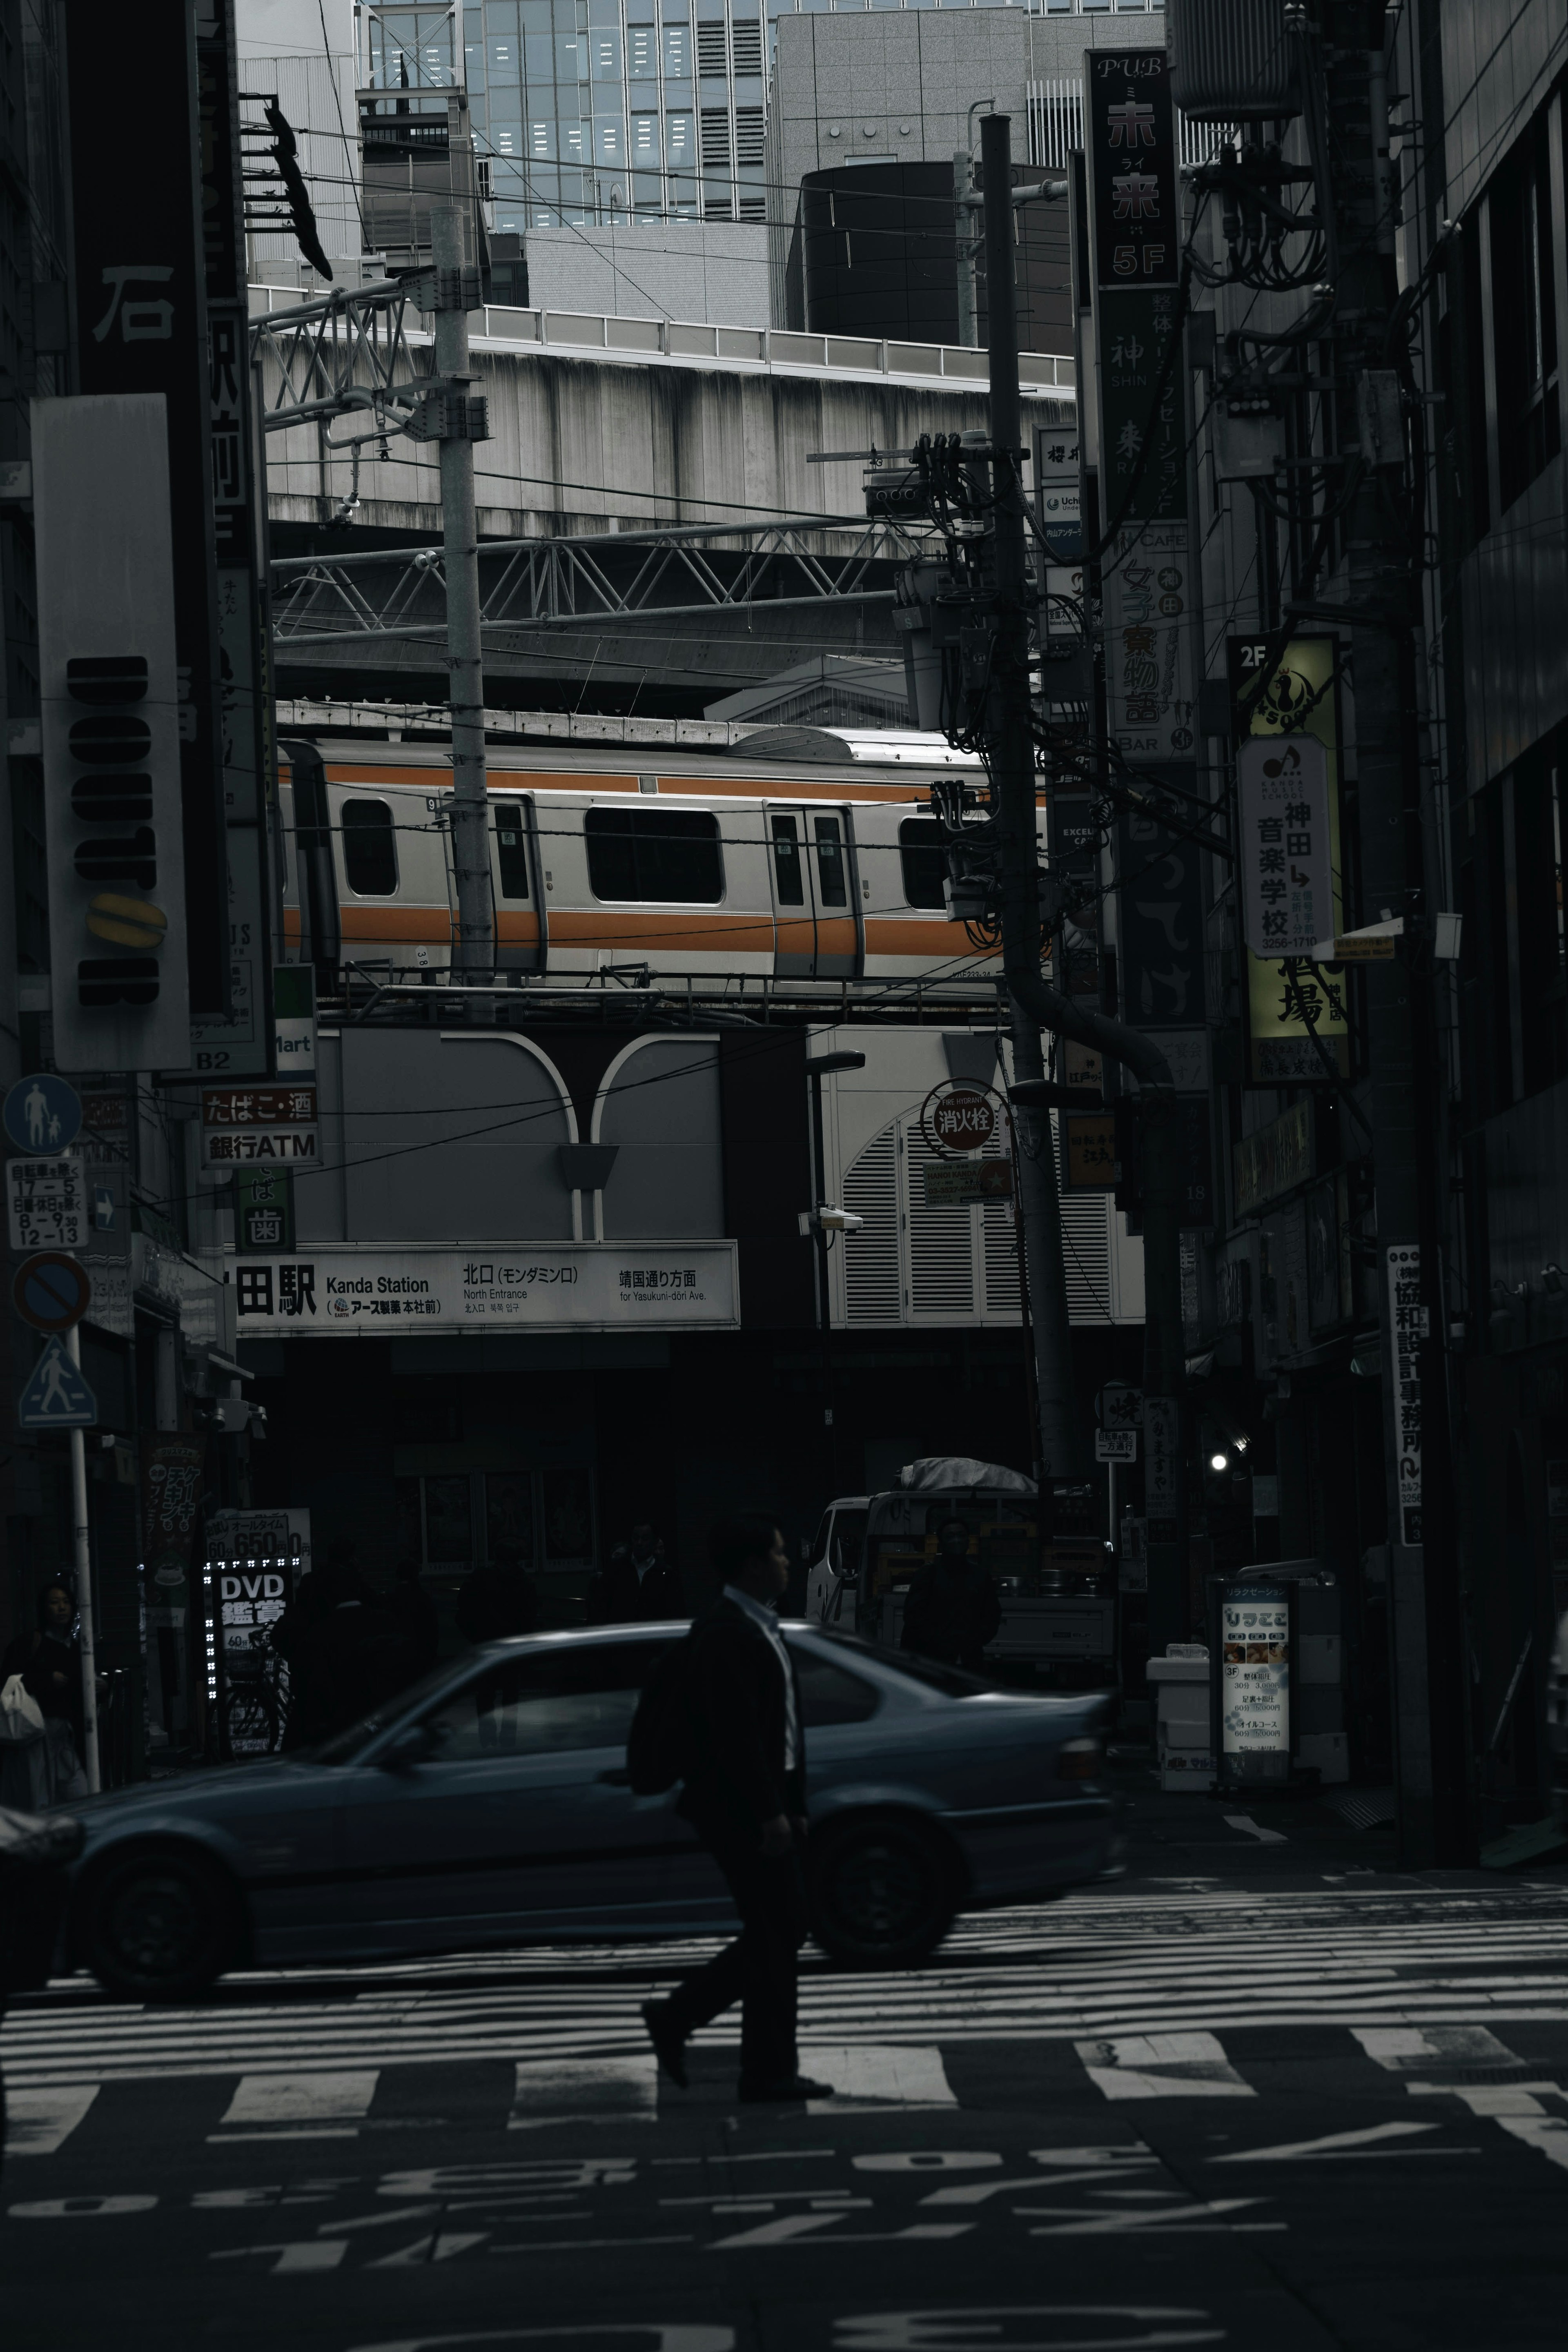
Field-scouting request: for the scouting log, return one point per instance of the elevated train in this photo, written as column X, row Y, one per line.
column 695, row 866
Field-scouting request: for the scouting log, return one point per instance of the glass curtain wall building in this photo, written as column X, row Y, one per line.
column 596, row 112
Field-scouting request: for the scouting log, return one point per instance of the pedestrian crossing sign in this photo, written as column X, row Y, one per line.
column 55, row 1395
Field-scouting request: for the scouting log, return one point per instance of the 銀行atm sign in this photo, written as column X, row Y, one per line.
column 249, row 1127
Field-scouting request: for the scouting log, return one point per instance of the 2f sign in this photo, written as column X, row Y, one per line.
column 1287, row 898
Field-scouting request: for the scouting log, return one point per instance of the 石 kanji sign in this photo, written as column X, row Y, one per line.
column 267, row 1127
column 46, row 1202
column 1407, row 1323
column 1286, row 866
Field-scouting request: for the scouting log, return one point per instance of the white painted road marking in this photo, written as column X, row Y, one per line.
column 299, row 2107
column 38, row 2122
column 1405, row 2048
column 1372, row 2140
column 877, row 2075
column 1162, row 2066
column 586, row 2090
column 1516, row 2107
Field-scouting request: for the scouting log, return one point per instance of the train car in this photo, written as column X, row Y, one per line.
column 708, row 870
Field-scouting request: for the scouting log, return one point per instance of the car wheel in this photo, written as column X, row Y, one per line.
column 881, row 1893
column 160, row 1926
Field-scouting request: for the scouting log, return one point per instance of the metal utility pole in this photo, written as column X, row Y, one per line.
column 818, row 1067
column 1012, row 758
column 1430, row 1703
column 81, row 1562
column 1036, row 1005
column 457, row 292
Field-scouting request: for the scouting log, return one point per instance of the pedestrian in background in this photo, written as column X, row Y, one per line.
column 48, row 1659
column 413, row 1612
column 639, row 1587
column 498, row 1600
column 745, row 1794
column 343, row 1647
column 952, row 1609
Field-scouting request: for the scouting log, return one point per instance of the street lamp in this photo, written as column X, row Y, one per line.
column 818, row 1067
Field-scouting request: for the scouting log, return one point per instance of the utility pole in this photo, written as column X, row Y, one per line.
column 462, row 421
column 82, row 1563
column 1431, row 1712
column 1036, row 1005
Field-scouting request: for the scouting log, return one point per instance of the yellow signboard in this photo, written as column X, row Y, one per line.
column 1091, row 1151
column 1286, row 1006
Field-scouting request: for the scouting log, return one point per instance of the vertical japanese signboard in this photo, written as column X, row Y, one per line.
column 1287, row 889
column 142, row 328
column 1135, row 201
column 237, row 1045
column 1408, row 1324
column 1289, row 999
column 111, row 719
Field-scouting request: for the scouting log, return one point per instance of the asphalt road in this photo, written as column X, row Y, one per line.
column 1272, row 2102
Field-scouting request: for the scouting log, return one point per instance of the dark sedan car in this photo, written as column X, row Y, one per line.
column 489, row 1805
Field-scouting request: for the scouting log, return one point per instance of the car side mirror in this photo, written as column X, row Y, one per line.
column 415, row 1743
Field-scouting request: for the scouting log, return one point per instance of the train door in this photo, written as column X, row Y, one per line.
column 816, row 930
column 514, row 880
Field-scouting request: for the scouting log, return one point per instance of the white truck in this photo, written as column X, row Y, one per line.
column 1057, row 1584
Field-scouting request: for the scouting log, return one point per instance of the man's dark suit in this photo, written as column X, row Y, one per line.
column 736, row 1784
column 620, row 1597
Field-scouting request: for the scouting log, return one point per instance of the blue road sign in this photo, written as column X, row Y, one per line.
column 55, row 1395
column 42, row 1113
column 51, row 1290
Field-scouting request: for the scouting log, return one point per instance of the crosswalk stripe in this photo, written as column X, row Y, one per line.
column 37, row 2122
column 1162, row 2066
column 585, row 2090
column 299, row 2107
column 1405, row 2048
column 873, row 2075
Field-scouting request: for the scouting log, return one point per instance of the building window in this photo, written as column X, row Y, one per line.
column 370, row 849
column 711, row 56
column 666, row 854
column 749, row 134
column 715, row 121
column 1524, row 314
column 924, row 860
column 747, row 41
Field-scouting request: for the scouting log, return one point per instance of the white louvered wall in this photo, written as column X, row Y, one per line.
column 914, row 1264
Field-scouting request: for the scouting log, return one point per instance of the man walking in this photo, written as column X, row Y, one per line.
column 639, row 1587
column 953, row 1609
column 745, row 1796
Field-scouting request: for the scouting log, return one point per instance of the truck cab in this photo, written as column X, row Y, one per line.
column 1057, row 1582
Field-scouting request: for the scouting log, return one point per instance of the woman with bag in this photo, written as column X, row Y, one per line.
column 49, row 1664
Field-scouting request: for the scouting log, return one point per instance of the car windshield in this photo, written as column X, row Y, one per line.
column 343, row 1747
column 954, row 1681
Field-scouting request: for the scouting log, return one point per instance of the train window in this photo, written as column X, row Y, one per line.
column 787, row 862
column 831, row 879
column 659, row 854
column 370, row 849
column 921, row 856
column 511, row 853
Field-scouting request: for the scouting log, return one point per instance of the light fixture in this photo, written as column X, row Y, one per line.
column 1219, row 1462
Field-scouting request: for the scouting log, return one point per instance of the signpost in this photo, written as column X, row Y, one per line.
column 51, row 1292
column 46, row 1203
column 55, row 1395
column 967, row 1181
column 42, row 1113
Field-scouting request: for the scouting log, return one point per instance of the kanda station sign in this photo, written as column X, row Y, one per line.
column 959, row 1119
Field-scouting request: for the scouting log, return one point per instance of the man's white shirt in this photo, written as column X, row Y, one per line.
column 760, row 1614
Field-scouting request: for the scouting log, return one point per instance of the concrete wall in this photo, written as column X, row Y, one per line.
column 899, row 86
column 711, row 272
